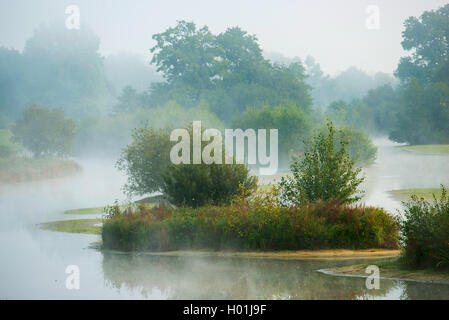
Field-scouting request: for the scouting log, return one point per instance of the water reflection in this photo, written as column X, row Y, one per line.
column 240, row 278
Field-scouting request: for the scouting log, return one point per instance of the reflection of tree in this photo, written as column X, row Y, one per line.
column 232, row 278
column 419, row 290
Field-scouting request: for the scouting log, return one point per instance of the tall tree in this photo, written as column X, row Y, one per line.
column 227, row 70
column 427, row 39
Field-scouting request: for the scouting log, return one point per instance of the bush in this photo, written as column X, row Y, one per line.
column 253, row 225
column 147, row 163
column 325, row 172
column 292, row 122
column 425, row 232
column 201, row 184
column 145, row 160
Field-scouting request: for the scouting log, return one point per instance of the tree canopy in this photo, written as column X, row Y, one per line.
column 227, row 70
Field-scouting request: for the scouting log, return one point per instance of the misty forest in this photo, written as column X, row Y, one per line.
column 87, row 176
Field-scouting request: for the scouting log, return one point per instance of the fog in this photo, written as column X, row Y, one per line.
column 34, row 260
column 333, row 32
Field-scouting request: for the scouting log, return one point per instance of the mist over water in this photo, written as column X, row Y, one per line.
column 399, row 169
column 100, row 82
column 33, row 261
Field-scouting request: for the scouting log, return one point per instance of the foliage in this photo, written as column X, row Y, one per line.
column 426, row 39
column 360, row 147
column 201, row 184
column 251, row 225
column 374, row 113
column 227, row 70
column 109, row 135
column 423, row 109
column 7, row 147
column 425, row 232
column 128, row 101
column 423, row 114
column 44, row 131
column 145, row 160
column 350, row 84
column 13, row 84
column 57, row 67
column 293, row 125
column 325, row 172
column 383, row 103
column 355, row 114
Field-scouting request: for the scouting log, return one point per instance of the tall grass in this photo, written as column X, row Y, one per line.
column 247, row 225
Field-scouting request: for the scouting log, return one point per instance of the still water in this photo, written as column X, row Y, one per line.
column 33, row 261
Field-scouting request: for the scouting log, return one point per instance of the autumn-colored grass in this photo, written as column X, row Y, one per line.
column 250, row 226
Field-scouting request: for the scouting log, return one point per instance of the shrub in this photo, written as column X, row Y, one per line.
column 145, row 160
column 291, row 121
column 252, row 225
column 325, row 172
column 425, row 232
column 147, row 163
column 200, row 184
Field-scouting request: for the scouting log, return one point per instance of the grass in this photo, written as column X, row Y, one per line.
column 97, row 210
column 428, row 148
column 405, row 194
column 87, row 226
column 394, row 269
column 250, row 226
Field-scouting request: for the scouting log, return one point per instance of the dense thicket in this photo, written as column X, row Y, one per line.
column 425, row 232
column 250, row 226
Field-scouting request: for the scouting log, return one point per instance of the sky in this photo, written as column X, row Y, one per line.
column 334, row 32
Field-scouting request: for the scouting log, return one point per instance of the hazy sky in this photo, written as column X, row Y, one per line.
column 332, row 31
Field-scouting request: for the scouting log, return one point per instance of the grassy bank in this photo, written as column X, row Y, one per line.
column 21, row 169
column 427, row 148
column 405, row 194
column 394, row 269
column 147, row 202
column 323, row 225
column 88, row 226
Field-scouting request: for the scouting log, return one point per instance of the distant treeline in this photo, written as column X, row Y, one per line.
column 226, row 79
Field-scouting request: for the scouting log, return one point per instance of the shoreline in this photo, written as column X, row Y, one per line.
column 92, row 227
column 323, row 255
column 391, row 271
